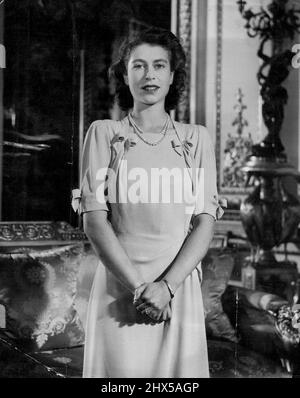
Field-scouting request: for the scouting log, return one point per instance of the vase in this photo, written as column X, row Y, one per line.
column 270, row 214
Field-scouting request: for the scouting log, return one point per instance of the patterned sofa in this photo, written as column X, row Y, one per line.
column 46, row 272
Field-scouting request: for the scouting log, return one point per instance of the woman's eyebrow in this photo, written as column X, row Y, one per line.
column 156, row 60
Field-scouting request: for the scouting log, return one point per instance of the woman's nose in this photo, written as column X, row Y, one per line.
column 149, row 73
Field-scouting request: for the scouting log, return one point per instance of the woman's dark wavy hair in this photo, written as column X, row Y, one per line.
column 152, row 36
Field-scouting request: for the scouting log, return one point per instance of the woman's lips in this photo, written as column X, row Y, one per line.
column 150, row 88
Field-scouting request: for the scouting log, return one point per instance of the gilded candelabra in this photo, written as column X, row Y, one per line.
column 270, row 214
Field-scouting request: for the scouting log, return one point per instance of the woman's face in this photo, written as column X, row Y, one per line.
column 149, row 74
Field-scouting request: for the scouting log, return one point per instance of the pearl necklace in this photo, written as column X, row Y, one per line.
column 139, row 131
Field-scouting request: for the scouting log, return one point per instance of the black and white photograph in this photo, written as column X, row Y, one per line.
column 149, row 192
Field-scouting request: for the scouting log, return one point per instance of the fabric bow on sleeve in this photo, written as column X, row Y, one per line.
column 222, row 202
column 76, row 198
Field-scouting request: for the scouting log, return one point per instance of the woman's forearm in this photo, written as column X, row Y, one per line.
column 109, row 250
column 192, row 251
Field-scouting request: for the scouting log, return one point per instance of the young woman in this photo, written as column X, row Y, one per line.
column 145, row 315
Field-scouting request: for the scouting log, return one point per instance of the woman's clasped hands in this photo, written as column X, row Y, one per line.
column 153, row 299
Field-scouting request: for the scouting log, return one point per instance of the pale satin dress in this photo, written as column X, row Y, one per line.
column 120, row 342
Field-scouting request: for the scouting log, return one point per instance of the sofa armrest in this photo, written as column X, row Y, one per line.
column 254, row 299
column 252, row 313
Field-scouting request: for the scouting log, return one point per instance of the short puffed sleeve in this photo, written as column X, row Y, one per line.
column 94, row 168
column 207, row 195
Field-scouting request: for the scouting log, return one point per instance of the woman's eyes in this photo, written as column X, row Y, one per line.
column 156, row 66
column 159, row 65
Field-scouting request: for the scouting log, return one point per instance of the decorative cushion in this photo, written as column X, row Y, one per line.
column 216, row 270
column 38, row 291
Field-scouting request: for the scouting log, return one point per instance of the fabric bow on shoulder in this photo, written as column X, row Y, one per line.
column 120, row 145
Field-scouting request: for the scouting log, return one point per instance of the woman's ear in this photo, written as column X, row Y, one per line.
column 125, row 79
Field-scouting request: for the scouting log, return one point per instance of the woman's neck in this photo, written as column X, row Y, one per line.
column 150, row 118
